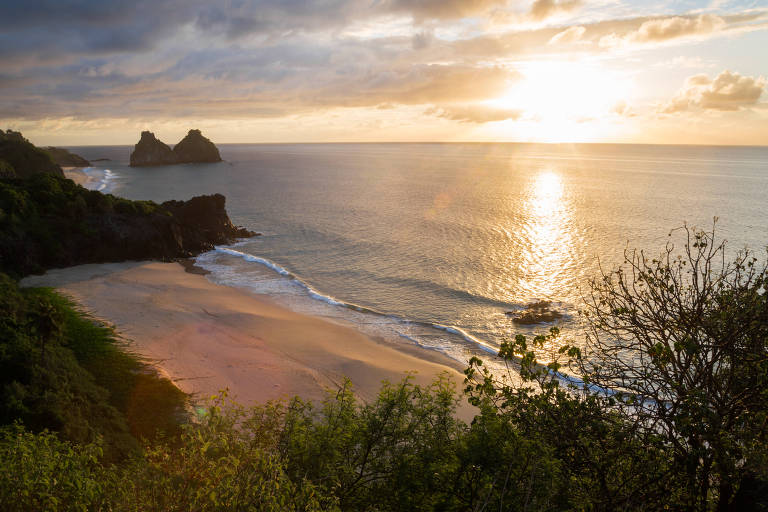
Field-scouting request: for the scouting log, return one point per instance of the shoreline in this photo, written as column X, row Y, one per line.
column 206, row 337
column 78, row 175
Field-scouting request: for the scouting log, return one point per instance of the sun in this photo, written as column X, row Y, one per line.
column 564, row 98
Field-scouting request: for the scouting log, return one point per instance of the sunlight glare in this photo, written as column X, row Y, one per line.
column 547, row 230
column 564, row 97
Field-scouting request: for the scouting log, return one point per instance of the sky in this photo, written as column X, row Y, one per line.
column 92, row 72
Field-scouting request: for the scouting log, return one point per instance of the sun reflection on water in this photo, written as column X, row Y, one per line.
column 547, row 230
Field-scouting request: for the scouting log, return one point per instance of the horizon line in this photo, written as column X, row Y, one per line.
column 460, row 142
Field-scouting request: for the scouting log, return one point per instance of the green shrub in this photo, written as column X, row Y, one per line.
column 62, row 372
column 40, row 472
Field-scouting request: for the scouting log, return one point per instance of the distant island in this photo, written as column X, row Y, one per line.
column 193, row 148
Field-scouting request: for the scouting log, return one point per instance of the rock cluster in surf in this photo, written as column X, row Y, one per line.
column 193, row 148
column 535, row 313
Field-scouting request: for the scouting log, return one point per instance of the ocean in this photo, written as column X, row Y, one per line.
column 432, row 244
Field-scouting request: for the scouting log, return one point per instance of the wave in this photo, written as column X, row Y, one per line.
column 468, row 337
column 315, row 294
column 311, row 291
column 100, row 179
column 471, row 339
column 256, row 259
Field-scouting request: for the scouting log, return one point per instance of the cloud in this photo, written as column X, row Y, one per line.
column 422, row 84
column 727, row 92
column 542, row 9
column 569, row 35
column 474, row 113
column 252, row 58
column 622, row 109
column 659, row 30
column 441, row 9
column 677, row 26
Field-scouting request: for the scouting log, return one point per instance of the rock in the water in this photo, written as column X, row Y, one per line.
column 535, row 313
column 195, row 148
column 151, row 151
column 66, row 159
column 21, row 159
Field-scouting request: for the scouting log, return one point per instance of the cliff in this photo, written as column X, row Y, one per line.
column 193, row 148
column 66, row 159
column 19, row 158
column 151, row 151
column 48, row 222
column 196, row 148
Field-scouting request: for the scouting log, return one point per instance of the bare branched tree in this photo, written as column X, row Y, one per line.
column 681, row 342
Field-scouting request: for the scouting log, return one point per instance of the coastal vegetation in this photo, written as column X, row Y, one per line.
column 65, row 158
column 676, row 420
column 663, row 406
column 19, row 158
column 47, row 222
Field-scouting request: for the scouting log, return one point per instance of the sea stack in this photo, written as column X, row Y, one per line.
column 196, row 148
column 151, row 151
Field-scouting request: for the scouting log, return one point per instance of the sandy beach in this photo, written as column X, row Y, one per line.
column 207, row 337
column 77, row 175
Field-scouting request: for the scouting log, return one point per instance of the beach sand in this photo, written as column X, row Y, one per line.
column 207, row 337
column 77, row 175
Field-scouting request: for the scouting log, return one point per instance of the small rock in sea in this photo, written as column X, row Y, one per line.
column 535, row 313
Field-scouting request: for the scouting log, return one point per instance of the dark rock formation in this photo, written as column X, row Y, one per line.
column 66, row 159
column 150, row 151
column 535, row 313
column 195, row 148
column 48, row 222
column 21, row 159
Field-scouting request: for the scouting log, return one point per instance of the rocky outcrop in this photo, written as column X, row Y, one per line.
column 21, row 159
column 194, row 148
column 535, row 313
column 151, row 151
column 66, row 159
column 48, row 222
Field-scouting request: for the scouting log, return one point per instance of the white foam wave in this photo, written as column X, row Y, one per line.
column 399, row 326
column 468, row 337
column 255, row 259
column 99, row 179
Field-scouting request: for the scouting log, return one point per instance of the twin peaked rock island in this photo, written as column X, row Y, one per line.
column 194, row 148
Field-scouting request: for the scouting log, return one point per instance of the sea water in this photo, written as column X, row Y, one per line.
column 433, row 244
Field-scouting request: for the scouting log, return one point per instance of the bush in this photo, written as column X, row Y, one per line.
column 40, row 472
column 672, row 403
column 63, row 373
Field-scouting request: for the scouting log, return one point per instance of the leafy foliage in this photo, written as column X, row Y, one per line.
column 62, row 372
column 22, row 158
column 663, row 408
column 669, row 406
